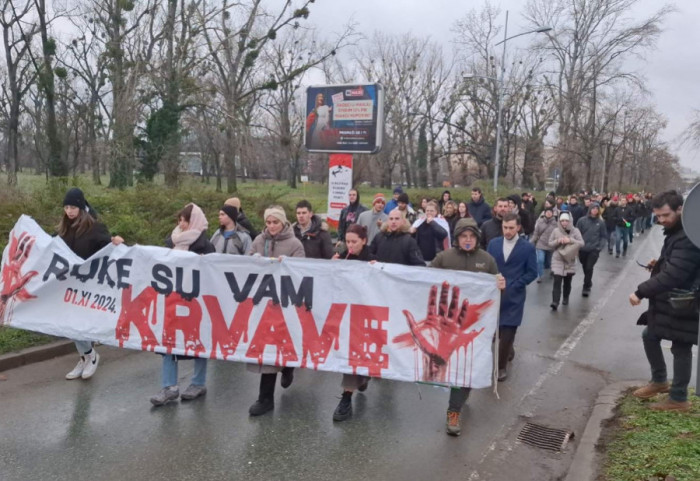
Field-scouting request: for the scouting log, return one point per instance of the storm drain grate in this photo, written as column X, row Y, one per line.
column 544, row 437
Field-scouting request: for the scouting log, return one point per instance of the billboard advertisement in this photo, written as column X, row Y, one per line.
column 344, row 118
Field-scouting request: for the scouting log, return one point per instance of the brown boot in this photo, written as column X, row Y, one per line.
column 651, row 390
column 671, row 405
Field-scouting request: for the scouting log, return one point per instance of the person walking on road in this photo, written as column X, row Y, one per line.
column 544, row 227
column 276, row 240
column 395, row 244
column 429, row 233
column 190, row 234
column 610, row 215
column 517, row 262
column 673, row 309
column 621, row 230
column 84, row 235
column 566, row 241
column 595, row 237
column 356, row 241
column 466, row 255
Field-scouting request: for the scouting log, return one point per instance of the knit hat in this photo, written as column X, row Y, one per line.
column 464, row 224
column 233, row 202
column 565, row 216
column 277, row 212
column 403, row 198
column 398, row 190
column 378, row 197
column 230, row 211
column 76, row 198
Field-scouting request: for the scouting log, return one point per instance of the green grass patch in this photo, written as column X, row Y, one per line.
column 647, row 445
column 12, row 340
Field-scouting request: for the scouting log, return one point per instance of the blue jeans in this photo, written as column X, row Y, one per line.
column 621, row 236
column 544, row 261
column 612, row 238
column 639, row 224
column 682, row 364
column 169, row 373
column 83, row 347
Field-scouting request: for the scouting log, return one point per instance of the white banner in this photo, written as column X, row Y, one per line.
column 383, row 320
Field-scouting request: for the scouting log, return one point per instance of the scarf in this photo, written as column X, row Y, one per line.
column 182, row 240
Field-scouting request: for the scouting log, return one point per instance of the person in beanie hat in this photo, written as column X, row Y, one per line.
column 394, row 202
column 84, row 235
column 230, row 237
column 242, row 220
column 466, row 255
column 276, row 240
column 595, row 238
column 404, row 206
column 374, row 218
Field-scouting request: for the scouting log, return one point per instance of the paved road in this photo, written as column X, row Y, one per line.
column 106, row 429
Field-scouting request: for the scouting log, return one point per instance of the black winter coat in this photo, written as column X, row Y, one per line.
column 317, row 240
column 397, row 248
column 245, row 223
column 480, row 211
column 629, row 213
column 577, row 211
column 594, row 233
column 611, row 216
column 364, row 255
column 201, row 246
column 678, row 267
column 87, row 244
column 491, row 229
column 430, row 237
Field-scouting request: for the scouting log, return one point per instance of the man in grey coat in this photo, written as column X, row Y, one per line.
column 595, row 236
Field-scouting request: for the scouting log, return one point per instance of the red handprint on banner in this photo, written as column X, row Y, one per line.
column 13, row 282
column 443, row 331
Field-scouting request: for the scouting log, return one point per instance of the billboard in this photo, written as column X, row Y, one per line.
column 344, row 118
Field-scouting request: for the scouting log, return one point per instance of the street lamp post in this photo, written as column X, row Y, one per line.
column 500, row 84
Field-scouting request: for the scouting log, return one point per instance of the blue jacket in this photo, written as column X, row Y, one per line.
column 519, row 271
column 480, row 211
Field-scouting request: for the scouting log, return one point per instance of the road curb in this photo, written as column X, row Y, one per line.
column 583, row 467
column 36, row 354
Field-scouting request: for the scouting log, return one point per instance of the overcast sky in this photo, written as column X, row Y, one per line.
column 672, row 70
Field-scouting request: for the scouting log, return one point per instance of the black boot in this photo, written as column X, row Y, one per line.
column 287, row 377
column 344, row 409
column 266, row 398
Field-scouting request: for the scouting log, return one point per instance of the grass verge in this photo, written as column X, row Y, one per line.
column 12, row 340
column 644, row 445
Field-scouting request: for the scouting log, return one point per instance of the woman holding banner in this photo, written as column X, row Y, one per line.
column 277, row 240
column 356, row 243
column 190, row 234
column 85, row 236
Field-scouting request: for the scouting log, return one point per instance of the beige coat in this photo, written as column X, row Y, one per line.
column 564, row 255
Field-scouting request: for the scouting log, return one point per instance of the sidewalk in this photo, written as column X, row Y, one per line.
column 35, row 354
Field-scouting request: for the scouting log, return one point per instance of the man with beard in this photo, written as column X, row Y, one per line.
column 673, row 311
column 492, row 227
column 517, row 262
column 395, row 244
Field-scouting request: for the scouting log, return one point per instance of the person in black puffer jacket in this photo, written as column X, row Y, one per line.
column 312, row 232
column 394, row 244
column 678, row 268
column 85, row 236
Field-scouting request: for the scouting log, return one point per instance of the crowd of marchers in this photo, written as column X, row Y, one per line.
column 515, row 240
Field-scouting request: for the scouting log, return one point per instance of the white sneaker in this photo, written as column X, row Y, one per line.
column 77, row 370
column 91, row 362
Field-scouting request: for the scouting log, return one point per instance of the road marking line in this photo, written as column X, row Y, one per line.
column 563, row 353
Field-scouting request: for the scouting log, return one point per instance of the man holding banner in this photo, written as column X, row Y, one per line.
column 466, row 255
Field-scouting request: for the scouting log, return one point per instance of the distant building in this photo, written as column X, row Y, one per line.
column 191, row 163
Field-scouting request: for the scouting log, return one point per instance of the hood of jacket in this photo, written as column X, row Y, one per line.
column 316, row 225
column 286, row 233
